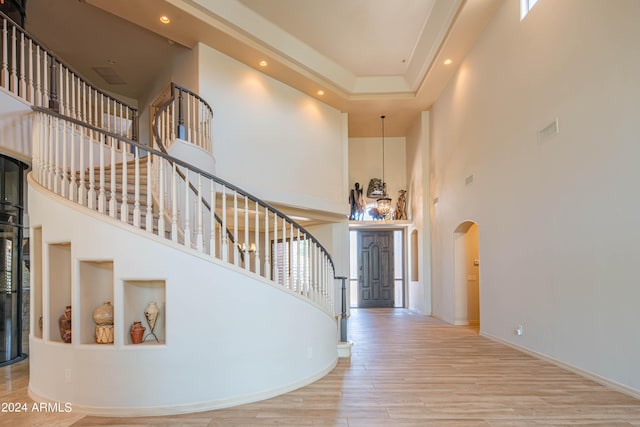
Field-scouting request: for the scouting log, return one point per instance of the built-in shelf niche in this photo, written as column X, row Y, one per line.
column 96, row 287
column 59, row 285
column 36, row 281
column 137, row 295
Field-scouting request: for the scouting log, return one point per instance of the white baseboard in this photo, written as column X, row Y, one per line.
column 630, row 391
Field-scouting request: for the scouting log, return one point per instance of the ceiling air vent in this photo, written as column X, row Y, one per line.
column 109, row 75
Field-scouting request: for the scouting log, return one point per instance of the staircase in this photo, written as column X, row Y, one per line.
column 246, row 294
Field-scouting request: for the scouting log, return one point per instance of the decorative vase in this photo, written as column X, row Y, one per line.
column 103, row 315
column 151, row 314
column 64, row 323
column 137, row 331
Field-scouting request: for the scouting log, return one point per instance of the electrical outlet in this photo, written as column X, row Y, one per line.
column 67, row 375
column 309, row 352
column 519, row 330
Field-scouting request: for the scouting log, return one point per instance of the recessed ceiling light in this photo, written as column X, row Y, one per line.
column 263, row 63
column 320, row 92
column 165, row 19
column 448, row 61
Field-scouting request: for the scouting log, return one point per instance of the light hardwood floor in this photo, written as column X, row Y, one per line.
column 405, row 370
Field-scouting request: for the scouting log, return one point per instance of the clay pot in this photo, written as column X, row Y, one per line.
column 137, row 331
column 103, row 315
column 64, row 324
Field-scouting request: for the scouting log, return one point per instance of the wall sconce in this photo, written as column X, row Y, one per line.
column 251, row 249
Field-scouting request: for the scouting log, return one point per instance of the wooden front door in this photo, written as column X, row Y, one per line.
column 375, row 269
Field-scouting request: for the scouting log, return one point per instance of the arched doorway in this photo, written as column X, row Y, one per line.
column 467, row 274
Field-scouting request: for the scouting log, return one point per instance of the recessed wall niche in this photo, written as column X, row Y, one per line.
column 96, row 287
column 137, row 296
column 59, row 285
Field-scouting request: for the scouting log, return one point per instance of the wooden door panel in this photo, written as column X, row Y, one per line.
column 375, row 267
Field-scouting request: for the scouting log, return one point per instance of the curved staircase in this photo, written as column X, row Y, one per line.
column 246, row 294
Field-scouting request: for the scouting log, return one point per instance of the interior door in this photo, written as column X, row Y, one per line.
column 375, row 269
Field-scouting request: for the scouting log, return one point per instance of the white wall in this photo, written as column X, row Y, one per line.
column 557, row 220
column 271, row 140
column 418, row 199
column 365, row 162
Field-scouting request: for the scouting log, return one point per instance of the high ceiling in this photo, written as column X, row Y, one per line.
column 369, row 57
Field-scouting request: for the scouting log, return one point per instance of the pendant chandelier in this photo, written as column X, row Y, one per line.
column 384, row 202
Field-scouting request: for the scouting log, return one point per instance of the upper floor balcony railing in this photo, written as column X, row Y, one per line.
column 29, row 71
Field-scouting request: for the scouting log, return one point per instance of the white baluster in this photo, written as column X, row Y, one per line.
column 101, row 115
column 274, row 248
column 224, row 232
column 187, row 225
column 113, row 198
column 199, row 235
column 124, row 207
column 83, row 99
column 299, row 248
column 101, row 195
column 161, row 190
column 56, row 155
column 286, row 257
column 212, row 220
column 92, row 192
column 14, row 64
column 66, row 91
column 23, row 83
column 72, row 99
column 72, row 175
column 5, row 52
column 149, row 216
column 65, row 181
column 136, row 188
column 38, row 78
column 121, row 123
column 82, row 193
column 256, row 241
column 174, row 205
column 245, row 245
column 89, row 107
column 30, row 94
column 235, row 229
column 267, row 265
column 45, row 79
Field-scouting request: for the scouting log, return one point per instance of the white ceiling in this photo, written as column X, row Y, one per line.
column 366, row 37
column 370, row 57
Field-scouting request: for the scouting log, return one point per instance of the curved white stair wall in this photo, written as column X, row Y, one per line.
column 230, row 337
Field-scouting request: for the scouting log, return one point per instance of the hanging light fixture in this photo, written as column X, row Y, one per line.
column 384, row 202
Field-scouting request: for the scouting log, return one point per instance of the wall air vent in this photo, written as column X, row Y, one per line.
column 109, row 75
column 548, row 132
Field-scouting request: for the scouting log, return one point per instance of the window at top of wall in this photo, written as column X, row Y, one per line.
column 525, row 7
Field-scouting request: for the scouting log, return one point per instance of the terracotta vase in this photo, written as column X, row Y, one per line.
column 64, row 323
column 103, row 315
column 151, row 314
column 137, row 331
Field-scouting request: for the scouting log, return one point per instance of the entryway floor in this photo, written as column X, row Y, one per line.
column 406, row 370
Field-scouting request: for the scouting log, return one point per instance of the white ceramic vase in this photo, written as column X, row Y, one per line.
column 151, row 314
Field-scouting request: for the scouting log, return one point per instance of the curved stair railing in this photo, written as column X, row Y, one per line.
column 112, row 175
column 184, row 115
column 31, row 72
